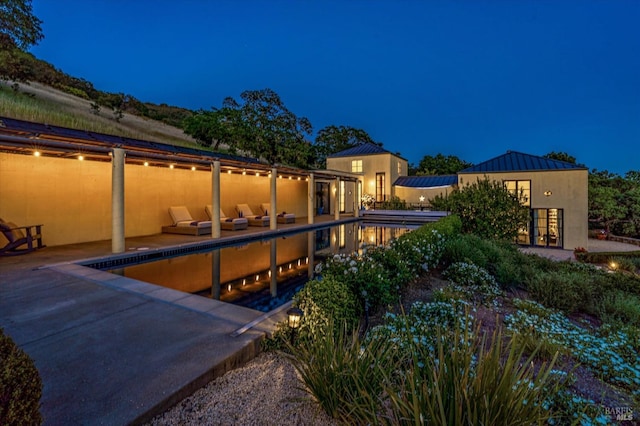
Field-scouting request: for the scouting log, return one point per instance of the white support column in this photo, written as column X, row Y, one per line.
column 356, row 201
column 117, row 201
column 215, row 199
column 215, row 274
column 311, row 196
column 273, row 267
column 336, row 200
column 273, row 214
column 311, row 253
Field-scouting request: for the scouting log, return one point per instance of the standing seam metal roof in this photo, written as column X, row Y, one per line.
column 514, row 161
column 363, row 149
column 426, row 181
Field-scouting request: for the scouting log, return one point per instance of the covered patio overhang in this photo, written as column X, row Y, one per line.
column 19, row 137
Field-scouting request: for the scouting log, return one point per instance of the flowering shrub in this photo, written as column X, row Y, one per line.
column 606, row 350
column 367, row 200
column 472, row 281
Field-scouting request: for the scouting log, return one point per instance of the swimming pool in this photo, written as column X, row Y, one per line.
column 263, row 274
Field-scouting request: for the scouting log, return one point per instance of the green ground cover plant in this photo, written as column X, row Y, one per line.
column 440, row 353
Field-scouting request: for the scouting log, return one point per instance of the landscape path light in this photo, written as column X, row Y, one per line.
column 295, row 315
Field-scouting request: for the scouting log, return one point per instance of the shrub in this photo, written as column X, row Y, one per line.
column 475, row 282
column 394, row 203
column 324, row 302
column 500, row 258
column 565, row 290
column 20, row 386
column 620, row 307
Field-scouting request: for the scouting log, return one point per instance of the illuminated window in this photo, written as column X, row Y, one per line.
column 521, row 188
column 399, row 168
column 356, row 166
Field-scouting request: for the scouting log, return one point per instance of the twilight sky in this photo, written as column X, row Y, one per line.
column 470, row 78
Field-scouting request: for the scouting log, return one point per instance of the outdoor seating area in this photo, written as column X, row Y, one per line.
column 183, row 223
column 254, row 220
column 282, row 217
column 20, row 239
column 228, row 223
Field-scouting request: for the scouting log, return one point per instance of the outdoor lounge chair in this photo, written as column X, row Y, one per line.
column 228, row 223
column 19, row 236
column 254, row 220
column 282, row 217
column 184, row 224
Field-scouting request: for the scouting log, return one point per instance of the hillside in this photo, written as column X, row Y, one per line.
column 41, row 103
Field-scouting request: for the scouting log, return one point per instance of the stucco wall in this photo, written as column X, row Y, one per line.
column 412, row 195
column 72, row 198
column 569, row 191
column 372, row 164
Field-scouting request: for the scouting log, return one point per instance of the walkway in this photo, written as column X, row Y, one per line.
column 112, row 350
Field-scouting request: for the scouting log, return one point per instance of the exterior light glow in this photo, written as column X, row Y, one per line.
column 257, row 174
column 257, row 277
column 37, row 153
column 229, row 171
column 146, row 164
column 80, row 157
column 171, row 166
column 294, row 314
column 280, row 177
column 193, row 168
column 244, row 172
column 229, row 287
column 299, row 178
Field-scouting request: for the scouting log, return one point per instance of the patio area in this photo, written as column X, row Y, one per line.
column 111, row 350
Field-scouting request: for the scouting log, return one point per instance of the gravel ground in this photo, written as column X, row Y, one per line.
column 266, row 391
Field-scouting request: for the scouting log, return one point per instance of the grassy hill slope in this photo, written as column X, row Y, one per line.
column 44, row 104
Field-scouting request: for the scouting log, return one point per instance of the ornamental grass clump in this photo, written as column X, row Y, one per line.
column 342, row 373
column 460, row 379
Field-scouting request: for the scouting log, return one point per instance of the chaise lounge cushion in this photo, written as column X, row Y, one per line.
column 282, row 217
column 181, row 217
column 254, row 220
column 228, row 223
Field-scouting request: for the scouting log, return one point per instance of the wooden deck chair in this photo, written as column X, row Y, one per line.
column 19, row 236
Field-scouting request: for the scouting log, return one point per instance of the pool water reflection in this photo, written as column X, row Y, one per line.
column 264, row 274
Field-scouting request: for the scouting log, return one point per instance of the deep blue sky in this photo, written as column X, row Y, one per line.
column 468, row 78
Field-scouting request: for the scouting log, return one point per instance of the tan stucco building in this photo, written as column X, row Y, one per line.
column 376, row 168
column 556, row 191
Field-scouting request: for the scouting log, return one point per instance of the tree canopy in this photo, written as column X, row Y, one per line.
column 19, row 27
column 562, row 156
column 487, row 208
column 332, row 139
column 440, row 165
column 614, row 202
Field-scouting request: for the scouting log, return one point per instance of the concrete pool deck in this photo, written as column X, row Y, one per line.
column 114, row 351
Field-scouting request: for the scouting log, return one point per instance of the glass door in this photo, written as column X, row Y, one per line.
column 547, row 228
